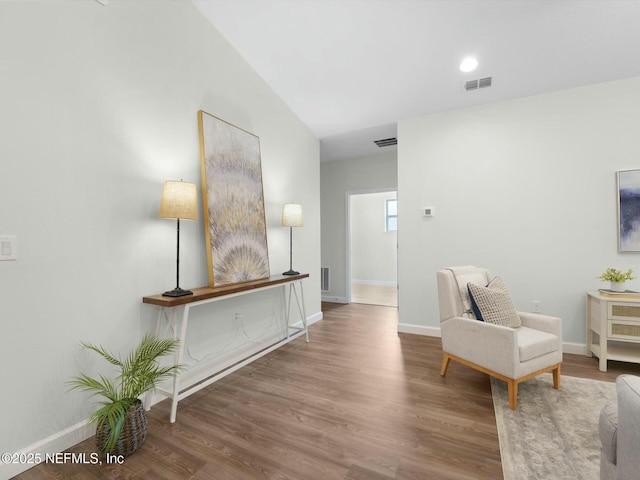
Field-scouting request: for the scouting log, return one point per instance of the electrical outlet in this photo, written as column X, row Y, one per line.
column 536, row 306
column 8, row 247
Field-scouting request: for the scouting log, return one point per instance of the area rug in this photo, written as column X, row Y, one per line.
column 553, row 434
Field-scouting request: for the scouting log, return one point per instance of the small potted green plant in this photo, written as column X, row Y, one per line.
column 121, row 423
column 617, row 278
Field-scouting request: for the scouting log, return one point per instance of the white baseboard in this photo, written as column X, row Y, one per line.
column 419, row 330
column 67, row 438
column 316, row 317
column 58, row 442
column 334, row 299
column 574, row 348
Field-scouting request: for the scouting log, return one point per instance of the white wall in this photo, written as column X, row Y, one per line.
column 374, row 256
column 336, row 180
column 525, row 188
column 99, row 108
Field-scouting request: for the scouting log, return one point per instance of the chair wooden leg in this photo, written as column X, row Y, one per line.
column 446, row 359
column 513, row 394
column 556, row 377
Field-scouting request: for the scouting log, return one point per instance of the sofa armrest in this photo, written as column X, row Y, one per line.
column 546, row 323
column 494, row 347
column 628, row 390
column 608, row 432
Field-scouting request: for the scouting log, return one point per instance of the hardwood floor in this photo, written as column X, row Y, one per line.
column 359, row 402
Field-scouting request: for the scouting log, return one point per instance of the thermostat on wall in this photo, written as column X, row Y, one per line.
column 8, row 248
column 429, row 211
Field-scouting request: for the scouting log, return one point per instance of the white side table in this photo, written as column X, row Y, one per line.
column 613, row 327
column 205, row 295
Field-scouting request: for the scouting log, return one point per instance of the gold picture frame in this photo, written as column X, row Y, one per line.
column 233, row 202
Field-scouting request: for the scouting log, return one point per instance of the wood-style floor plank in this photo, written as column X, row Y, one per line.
column 360, row 401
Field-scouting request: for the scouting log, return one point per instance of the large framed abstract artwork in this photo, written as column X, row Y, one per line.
column 233, row 202
column 628, row 182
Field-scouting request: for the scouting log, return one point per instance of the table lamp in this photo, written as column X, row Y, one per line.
column 180, row 201
column 291, row 217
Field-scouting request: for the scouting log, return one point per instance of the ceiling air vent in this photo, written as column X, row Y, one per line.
column 484, row 82
column 386, row 142
column 471, row 85
column 475, row 84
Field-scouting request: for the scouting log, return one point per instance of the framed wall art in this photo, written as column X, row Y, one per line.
column 233, row 202
column 628, row 182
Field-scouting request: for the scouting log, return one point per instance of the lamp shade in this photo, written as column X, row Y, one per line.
column 291, row 215
column 179, row 200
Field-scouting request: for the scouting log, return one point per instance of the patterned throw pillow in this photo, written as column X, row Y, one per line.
column 494, row 303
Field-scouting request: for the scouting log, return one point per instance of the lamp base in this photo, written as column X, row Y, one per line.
column 177, row 292
column 291, row 272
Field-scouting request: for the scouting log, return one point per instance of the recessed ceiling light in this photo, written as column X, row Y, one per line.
column 469, row 64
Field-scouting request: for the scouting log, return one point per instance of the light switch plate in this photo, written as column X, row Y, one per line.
column 8, row 247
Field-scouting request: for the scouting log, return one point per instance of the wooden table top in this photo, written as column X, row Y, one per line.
column 204, row 293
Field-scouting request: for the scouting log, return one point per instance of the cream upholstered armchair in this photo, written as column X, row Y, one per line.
column 529, row 346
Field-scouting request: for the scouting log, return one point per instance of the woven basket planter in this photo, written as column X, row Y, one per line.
column 133, row 433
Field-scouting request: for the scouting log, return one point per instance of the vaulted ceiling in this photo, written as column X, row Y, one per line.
column 350, row 69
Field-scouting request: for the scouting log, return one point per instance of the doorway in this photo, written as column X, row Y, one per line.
column 372, row 246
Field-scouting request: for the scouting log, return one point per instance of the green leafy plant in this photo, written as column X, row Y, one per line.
column 613, row 275
column 139, row 373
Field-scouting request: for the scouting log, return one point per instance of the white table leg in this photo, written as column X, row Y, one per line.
column 179, row 357
column 301, row 308
column 286, row 308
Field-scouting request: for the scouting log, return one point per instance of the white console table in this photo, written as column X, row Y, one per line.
column 205, row 295
column 613, row 327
